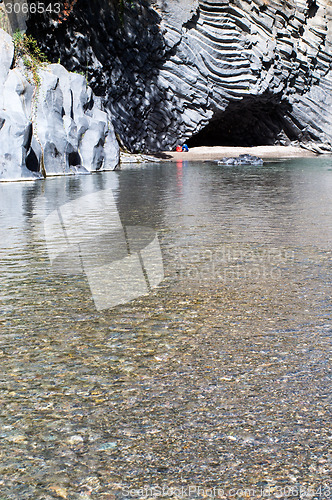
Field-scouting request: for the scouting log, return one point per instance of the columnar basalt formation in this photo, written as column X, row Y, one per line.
column 235, row 72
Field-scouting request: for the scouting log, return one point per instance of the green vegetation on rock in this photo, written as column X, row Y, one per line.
column 26, row 49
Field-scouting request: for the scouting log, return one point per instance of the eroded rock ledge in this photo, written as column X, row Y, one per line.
column 214, row 72
column 52, row 128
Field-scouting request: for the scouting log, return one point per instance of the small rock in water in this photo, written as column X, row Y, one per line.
column 245, row 159
column 107, row 446
column 16, row 438
column 76, row 439
column 60, row 491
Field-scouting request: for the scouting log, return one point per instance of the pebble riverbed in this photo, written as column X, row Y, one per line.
column 216, row 384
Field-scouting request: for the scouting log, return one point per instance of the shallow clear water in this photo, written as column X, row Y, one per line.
column 219, row 377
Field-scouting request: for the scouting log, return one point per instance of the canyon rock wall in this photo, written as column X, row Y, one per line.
column 234, row 72
column 50, row 124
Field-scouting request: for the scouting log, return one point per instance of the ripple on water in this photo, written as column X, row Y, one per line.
column 220, row 377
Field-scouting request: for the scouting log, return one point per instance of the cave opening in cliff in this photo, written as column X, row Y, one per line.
column 32, row 162
column 253, row 121
column 74, row 159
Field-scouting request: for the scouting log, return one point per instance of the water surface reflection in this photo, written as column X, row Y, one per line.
column 220, row 377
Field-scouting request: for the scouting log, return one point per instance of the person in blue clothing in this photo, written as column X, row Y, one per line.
column 185, row 148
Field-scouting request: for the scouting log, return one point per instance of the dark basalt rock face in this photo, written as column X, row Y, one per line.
column 211, row 72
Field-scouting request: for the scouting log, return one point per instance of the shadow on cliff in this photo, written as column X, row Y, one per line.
column 120, row 50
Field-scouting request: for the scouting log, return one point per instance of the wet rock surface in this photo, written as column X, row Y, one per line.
column 218, row 72
column 245, row 159
column 50, row 126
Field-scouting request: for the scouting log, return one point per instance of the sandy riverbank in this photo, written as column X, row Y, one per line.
column 217, row 152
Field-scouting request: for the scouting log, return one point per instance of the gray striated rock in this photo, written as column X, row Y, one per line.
column 15, row 128
column 6, row 55
column 13, row 16
column 57, row 127
column 235, row 72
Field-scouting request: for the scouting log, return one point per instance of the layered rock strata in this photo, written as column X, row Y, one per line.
column 51, row 124
column 235, row 72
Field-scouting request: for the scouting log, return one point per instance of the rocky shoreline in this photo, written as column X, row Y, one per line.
column 217, row 152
